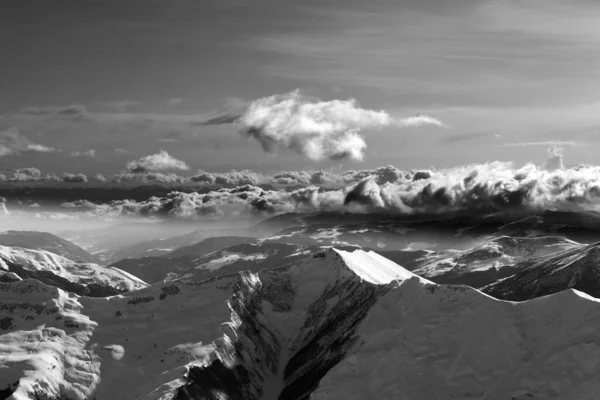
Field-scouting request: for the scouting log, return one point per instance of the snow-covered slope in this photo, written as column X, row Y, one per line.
column 46, row 241
column 337, row 325
column 77, row 277
column 423, row 342
column 494, row 259
column 577, row 268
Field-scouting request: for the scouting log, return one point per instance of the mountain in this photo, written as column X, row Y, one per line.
column 197, row 265
column 492, row 260
column 334, row 326
column 209, row 245
column 78, row 277
column 577, row 268
column 46, row 241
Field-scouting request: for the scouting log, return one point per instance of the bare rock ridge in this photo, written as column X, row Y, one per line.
column 338, row 325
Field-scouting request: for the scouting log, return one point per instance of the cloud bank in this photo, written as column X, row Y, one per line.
column 34, row 175
column 495, row 187
column 315, row 129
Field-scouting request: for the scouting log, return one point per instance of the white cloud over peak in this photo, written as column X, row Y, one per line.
column 161, row 161
column 316, row 129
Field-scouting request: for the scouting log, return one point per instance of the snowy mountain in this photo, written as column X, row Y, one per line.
column 77, row 277
column 46, row 241
column 197, row 263
column 336, row 325
column 492, row 260
column 577, row 268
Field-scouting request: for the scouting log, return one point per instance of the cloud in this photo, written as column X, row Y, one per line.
column 148, row 177
column 74, row 178
column 174, row 102
column 123, row 105
column 495, row 187
column 28, row 175
column 544, row 143
column 238, row 178
column 161, row 161
column 121, row 151
column 12, row 142
column 381, row 175
column 420, row 120
column 75, row 112
column 316, row 129
column 84, row 153
column 34, row 175
column 555, row 159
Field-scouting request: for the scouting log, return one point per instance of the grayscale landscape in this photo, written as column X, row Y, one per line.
column 299, row 200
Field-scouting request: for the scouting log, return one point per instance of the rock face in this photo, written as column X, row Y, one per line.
column 337, row 325
column 578, row 268
column 77, row 277
column 46, row 241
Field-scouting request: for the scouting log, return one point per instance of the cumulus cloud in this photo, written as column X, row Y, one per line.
column 31, row 175
column 494, row 187
column 316, row 129
column 161, row 161
column 74, row 178
column 84, row 153
column 28, row 175
column 555, row 159
column 13, row 142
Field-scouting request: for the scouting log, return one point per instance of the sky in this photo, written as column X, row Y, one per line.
column 105, row 82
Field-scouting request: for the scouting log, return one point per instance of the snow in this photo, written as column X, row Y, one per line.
column 424, row 341
column 375, row 268
column 400, row 337
column 47, row 266
column 229, row 258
